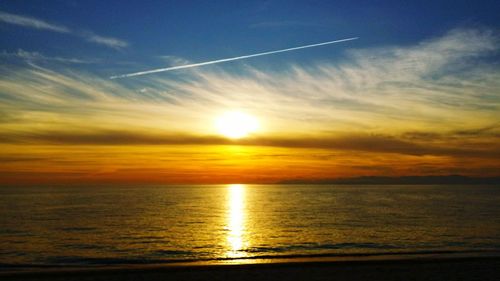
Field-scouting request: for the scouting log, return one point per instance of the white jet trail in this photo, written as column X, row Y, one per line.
column 228, row 59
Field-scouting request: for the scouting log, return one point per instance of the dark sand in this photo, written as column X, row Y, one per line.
column 429, row 268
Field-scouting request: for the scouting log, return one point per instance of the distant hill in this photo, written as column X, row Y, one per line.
column 450, row 179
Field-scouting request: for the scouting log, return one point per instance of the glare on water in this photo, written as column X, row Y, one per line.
column 236, row 220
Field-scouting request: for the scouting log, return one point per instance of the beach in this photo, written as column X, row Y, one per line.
column 422, row 268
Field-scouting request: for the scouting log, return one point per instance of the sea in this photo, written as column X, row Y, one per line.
column 45, row 226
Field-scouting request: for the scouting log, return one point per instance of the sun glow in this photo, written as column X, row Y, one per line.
column 236, row 124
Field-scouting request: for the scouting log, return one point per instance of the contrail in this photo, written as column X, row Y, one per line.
column 228, row 59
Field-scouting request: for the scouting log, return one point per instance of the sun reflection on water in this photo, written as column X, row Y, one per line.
column 236, row 221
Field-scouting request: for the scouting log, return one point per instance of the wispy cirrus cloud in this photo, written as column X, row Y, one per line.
column 102, row 40
column 36, row 56
column 31, row 22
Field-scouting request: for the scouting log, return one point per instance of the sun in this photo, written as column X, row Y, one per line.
column 236, row 124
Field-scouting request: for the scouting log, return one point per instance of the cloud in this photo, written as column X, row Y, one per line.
column 36, row 56
column 174, row 60
column 113, row 137
column 365, row 143
column 89, row 36
column 490, row 131
column 106, row 41
column 32, row 22
column 10, row 159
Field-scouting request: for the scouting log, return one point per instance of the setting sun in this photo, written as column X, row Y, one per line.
column 236, row 124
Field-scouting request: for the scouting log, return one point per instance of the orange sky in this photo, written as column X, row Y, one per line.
column 220, row 164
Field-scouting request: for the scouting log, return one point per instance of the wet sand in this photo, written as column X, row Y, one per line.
column 429, row 268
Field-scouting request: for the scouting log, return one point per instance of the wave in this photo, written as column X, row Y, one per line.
column 70, row 261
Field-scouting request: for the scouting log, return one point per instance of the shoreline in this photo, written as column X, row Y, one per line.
column 349, row 256
column 451, row 266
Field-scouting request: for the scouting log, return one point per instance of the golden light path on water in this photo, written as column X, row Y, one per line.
column 236, row 221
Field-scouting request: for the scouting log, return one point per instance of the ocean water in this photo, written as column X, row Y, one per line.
column 101, row 225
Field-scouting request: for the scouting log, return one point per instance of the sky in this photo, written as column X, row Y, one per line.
column 418, row 93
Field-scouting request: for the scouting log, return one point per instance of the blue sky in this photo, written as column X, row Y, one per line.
column 206, row 30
